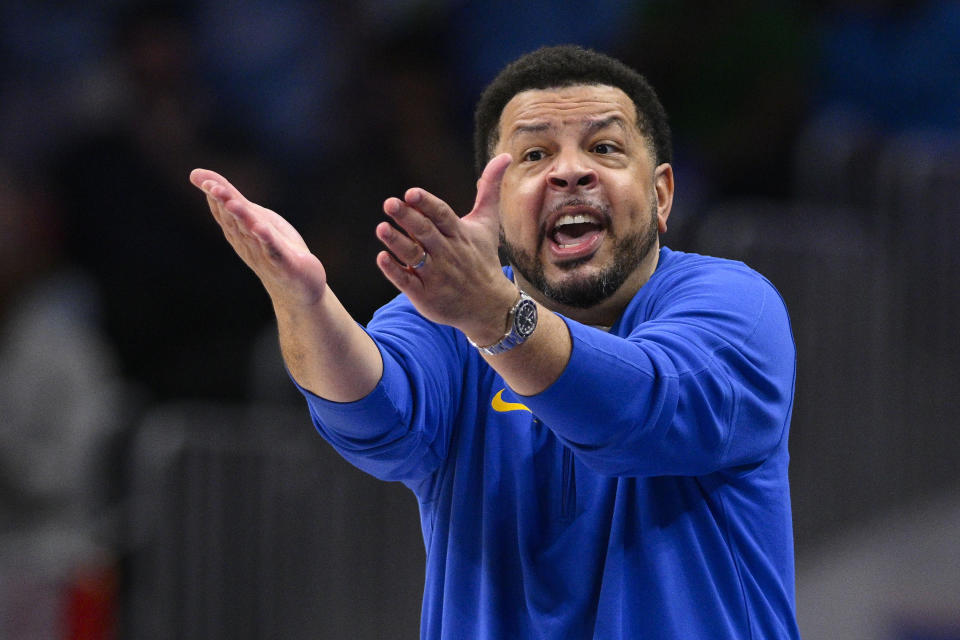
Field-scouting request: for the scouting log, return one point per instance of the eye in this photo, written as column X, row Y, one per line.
column 603, row 148
column 533, row 155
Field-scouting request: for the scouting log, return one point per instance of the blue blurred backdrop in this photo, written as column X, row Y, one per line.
column 159, row 477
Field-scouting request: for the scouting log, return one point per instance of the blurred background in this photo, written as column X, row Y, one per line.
column 159, row 476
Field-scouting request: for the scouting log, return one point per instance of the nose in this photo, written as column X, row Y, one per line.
column 571, row 173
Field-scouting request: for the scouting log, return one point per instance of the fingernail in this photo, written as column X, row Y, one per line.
column 414, row 196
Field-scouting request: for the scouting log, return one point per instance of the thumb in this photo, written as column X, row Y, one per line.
column 487, row 204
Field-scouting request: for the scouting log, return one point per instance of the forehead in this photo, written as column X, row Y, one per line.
column 565, row 106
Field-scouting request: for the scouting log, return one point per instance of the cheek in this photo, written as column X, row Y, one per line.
column 520, row 206
column 513, row 226
column 635, row 203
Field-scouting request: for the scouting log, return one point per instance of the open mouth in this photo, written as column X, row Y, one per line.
column 573, row 230
column 575, row 235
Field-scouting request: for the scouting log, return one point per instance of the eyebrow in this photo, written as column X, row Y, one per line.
column 531, row 128
column 589, row 127
column 603, row 123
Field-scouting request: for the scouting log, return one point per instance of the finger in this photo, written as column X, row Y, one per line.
column 218, row 191
column 212, row 183
column 207, row 180
column 405, row 279
column 238, row 237
column 438, row 211
column 234, row 232
column 251, row 221
column 246, row 246
column 226, row 222
column 406, row 249
column 229, row 213
column 199, row 176
column 487, row 204
column 418, row 226
column 214, row 206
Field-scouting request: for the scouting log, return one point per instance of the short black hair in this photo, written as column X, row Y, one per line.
column 565, row 66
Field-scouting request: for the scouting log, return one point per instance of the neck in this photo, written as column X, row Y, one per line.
column 607, row 312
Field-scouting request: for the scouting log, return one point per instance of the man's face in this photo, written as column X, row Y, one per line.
column 582, row 203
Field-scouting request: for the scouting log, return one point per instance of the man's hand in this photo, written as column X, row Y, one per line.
column 266, row 242
column 324, row 349
column 460, row 283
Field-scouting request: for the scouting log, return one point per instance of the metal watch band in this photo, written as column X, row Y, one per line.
column 524, row 310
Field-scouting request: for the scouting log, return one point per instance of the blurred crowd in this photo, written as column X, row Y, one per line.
column 117, row 292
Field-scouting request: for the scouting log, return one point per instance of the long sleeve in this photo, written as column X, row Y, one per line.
column 401, row 429
column 696, row 377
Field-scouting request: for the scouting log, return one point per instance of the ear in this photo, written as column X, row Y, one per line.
column 663, row 183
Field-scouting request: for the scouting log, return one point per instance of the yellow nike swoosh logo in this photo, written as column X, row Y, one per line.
column 502, row 406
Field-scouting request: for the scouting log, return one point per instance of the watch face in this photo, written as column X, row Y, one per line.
column 525, row 319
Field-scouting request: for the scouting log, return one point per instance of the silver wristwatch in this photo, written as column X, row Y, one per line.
column 521, row 321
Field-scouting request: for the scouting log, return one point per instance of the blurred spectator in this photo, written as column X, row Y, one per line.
column 278, row 68
column 483, row 36
column 62, row 405
column 885, row 71
column 176, row 304
column 895, row 65
column 402, row 133
column 734, row 77
column 46, row 48
column 400, row 130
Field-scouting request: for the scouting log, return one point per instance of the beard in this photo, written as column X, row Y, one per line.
column 586, row 291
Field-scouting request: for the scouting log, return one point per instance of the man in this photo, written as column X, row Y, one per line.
column 597, row 433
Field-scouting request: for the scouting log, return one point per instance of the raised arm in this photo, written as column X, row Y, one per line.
column 324, row 349
column 459, row 281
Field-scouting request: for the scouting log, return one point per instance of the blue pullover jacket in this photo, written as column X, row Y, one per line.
column 642, row 495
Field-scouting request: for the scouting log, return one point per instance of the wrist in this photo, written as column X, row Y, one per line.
column 521, row 322
column 491, row 323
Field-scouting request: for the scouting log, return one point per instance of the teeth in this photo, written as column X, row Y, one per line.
column 573, row 219
column 569, row 219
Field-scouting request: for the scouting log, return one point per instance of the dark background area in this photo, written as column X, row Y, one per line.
column 159, row 477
